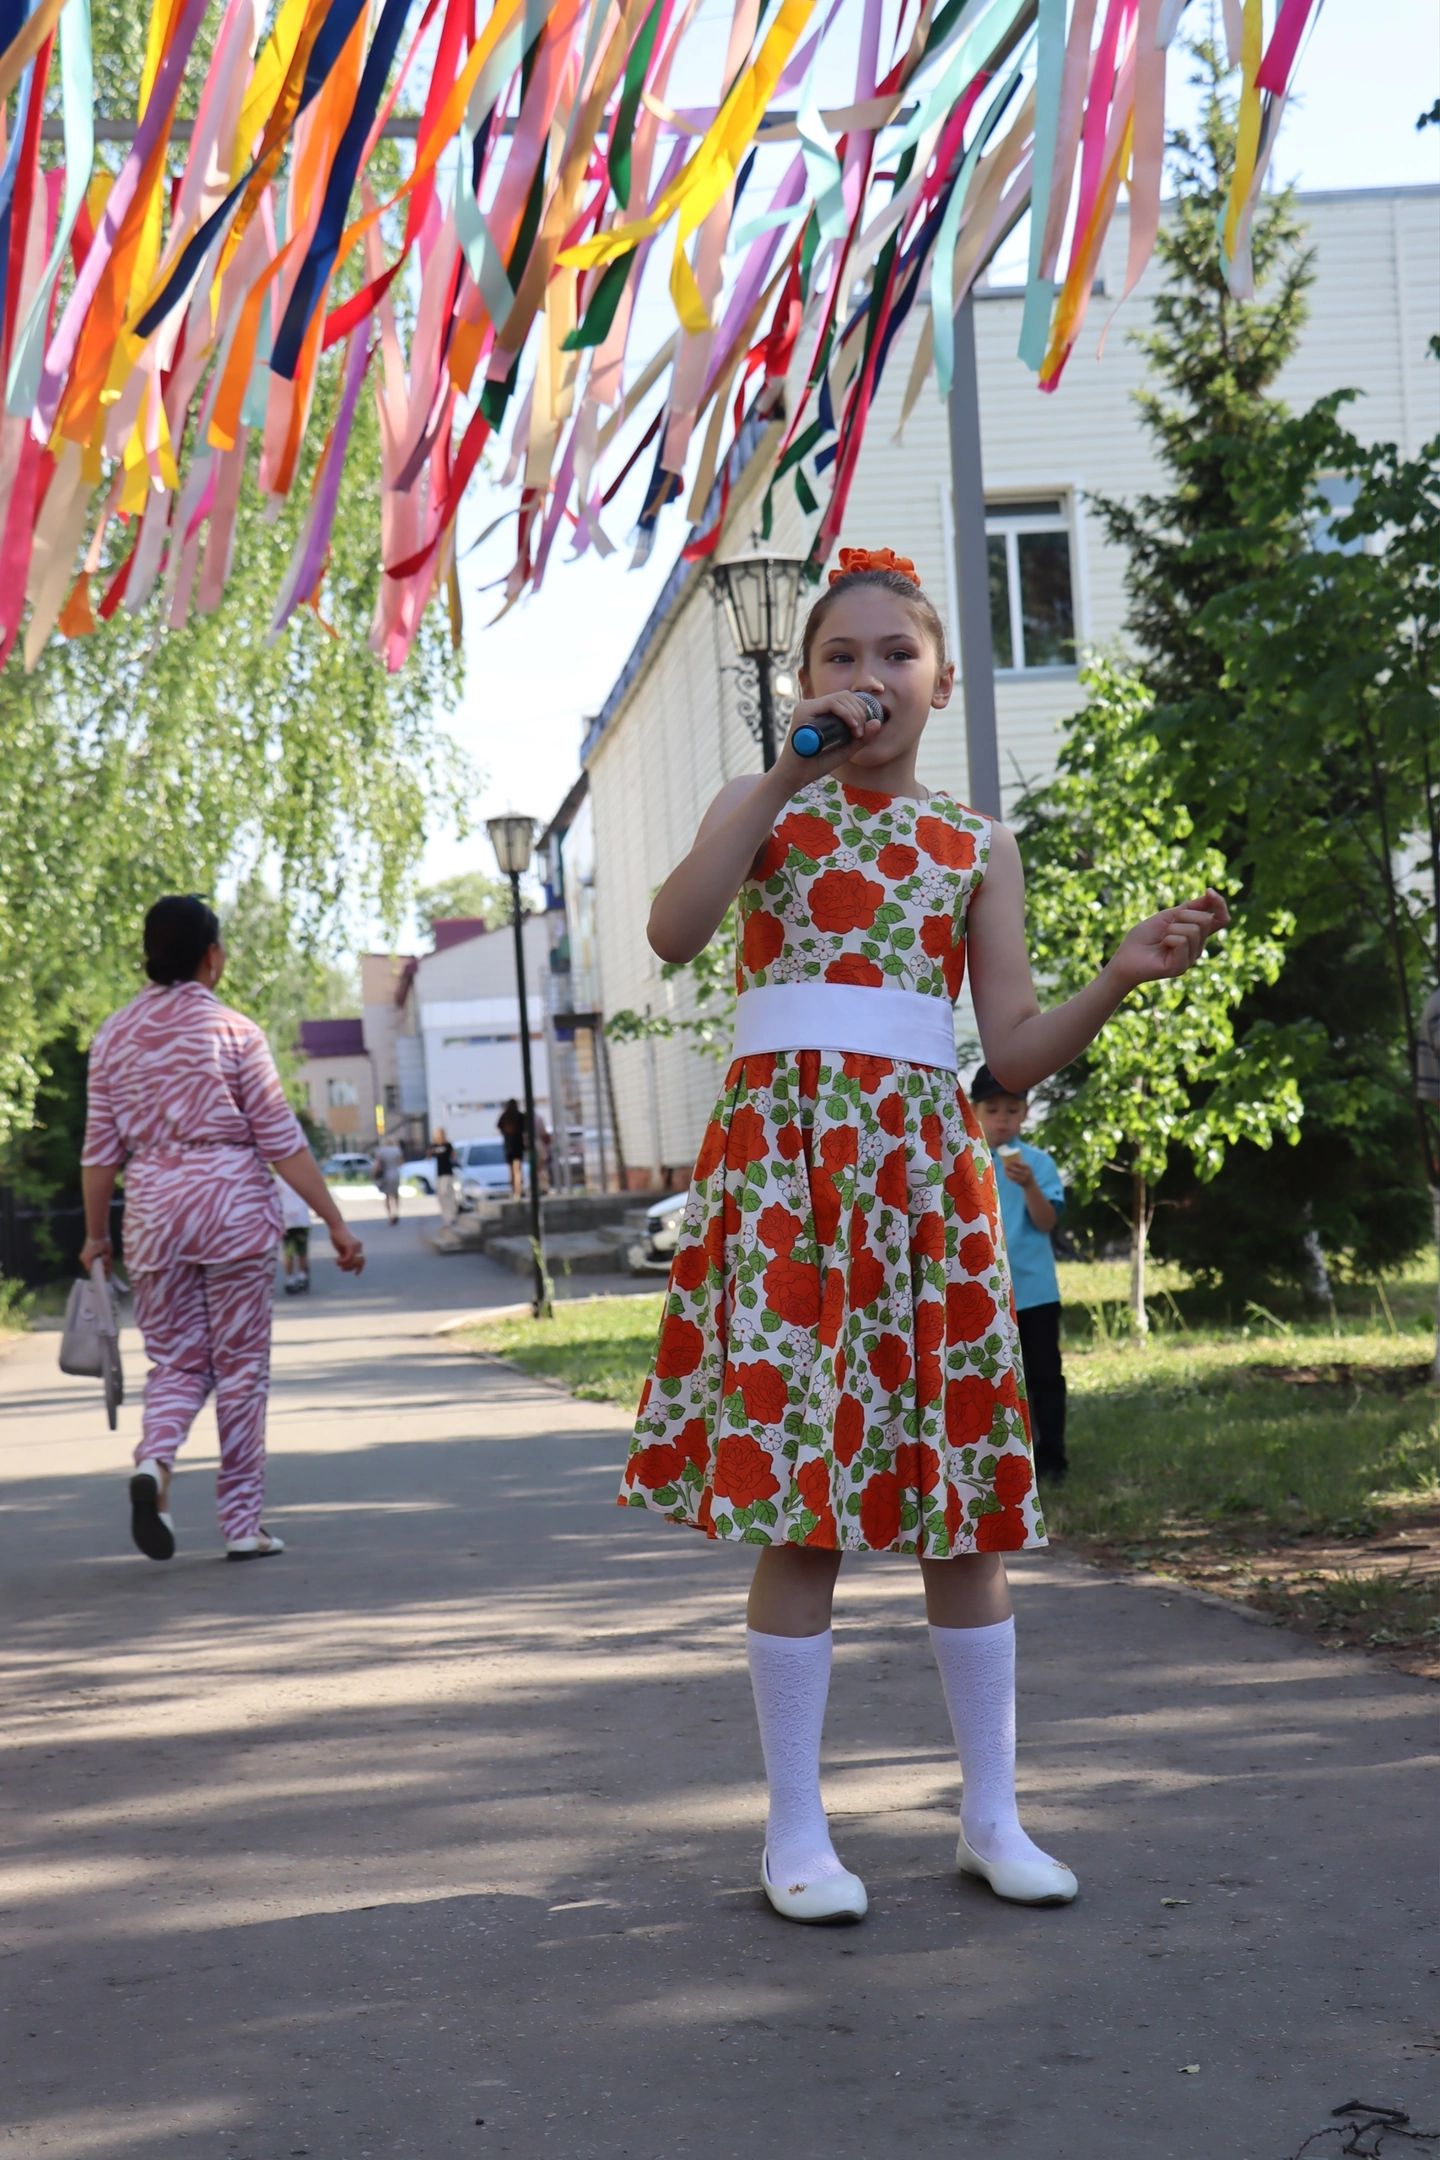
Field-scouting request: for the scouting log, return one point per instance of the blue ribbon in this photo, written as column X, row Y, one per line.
column 324, row 53
column 314, row 272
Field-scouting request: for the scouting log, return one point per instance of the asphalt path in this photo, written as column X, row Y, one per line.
column 438, row 1835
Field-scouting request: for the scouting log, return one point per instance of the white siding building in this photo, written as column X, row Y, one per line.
column 669, row 736
column 467, row 1015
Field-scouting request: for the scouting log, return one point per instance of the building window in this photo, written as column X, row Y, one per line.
column 1336, row 495
column 1032, row 603
column 392, row 1095
column 341, row 1094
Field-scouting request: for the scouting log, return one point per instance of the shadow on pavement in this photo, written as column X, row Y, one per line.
column 439, row 1834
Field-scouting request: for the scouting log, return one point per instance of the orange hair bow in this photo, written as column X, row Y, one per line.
column 855, row 560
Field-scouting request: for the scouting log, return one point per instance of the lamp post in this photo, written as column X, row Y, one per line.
column 513, row 838
column 760, row 594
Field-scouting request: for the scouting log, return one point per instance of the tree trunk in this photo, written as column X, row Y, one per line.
column 1435, row 1210
column 1139, row 1232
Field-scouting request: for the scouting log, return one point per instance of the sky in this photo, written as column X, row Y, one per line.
column 1367, row 73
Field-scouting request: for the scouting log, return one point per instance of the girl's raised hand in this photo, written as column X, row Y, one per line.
column 1169, row 943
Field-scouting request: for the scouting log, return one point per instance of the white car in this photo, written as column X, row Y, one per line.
column 341, row 1167
column 481, row 1171
column 662, row 1234
column 421, row 1172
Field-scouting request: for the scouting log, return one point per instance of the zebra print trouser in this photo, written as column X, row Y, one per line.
column 208, row 1329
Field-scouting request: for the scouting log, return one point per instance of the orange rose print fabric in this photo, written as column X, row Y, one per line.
column 838, row 1363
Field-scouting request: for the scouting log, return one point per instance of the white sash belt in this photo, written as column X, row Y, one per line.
column 904, row 1024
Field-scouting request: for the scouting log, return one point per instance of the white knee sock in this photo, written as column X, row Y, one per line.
column 791, row 1678
column 977, row 1670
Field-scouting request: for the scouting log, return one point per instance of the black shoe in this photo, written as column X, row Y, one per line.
column 152, row 1531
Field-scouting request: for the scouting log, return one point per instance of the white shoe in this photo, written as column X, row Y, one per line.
column 1024, row 1882
column 259, row 1547
column 830, row 1897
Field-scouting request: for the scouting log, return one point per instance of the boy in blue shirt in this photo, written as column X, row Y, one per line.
column 1031, row 1197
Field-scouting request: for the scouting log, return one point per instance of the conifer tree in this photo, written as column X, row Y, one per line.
column 1214, row 361
column 1214, row 415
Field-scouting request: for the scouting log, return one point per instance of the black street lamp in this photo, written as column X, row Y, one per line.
column 760, row 595
column 513, row 839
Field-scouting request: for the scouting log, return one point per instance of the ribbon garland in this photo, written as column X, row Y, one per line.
column 163, row 330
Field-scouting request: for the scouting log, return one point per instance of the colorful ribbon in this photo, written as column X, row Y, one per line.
column 154, row 322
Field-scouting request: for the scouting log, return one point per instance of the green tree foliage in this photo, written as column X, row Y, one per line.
column 1213, row 362
column 142, row 760
column 468, row 893
column 1216, row 424
column 1334, row 660
column 1107, row 842
column 271, row 975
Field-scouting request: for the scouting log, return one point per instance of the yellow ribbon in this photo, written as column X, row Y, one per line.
column 1247, row 134
column 695, row 191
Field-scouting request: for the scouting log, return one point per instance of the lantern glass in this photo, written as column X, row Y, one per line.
column 760, row 594
column 513, row 839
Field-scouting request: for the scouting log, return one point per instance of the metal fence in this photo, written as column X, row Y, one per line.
column 41, row 1243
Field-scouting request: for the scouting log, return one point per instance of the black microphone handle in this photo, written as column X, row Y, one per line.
column 833, row 731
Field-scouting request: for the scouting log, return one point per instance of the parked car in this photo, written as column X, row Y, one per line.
column 662, row 1234
column 421, row 1172
column 481, row 1171
column 340, row 1168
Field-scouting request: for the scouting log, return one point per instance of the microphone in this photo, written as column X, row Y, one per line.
column 812, row 737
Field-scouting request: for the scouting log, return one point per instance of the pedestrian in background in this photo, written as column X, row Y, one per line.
column 1032, row 1197
column 445, row 1175
column 295, row 1250
column 183, row 1096
column 387, row 1163
column 513, row 1131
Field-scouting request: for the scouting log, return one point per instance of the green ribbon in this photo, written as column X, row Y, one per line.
column 1040, row 292
column 622, row 133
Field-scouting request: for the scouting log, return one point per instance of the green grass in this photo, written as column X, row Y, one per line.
column 599, row 1348
column 16, row 1306
column 1273, row 1419
column 21, row 1308
column 1176, row 1433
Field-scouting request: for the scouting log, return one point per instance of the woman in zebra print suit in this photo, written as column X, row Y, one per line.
column 184, row 1096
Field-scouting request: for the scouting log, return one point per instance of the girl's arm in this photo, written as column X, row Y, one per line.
column 1024, row 1045
column 688, row 909
column 690, row 905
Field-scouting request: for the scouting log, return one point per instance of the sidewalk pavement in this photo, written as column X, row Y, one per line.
column 438, row 1835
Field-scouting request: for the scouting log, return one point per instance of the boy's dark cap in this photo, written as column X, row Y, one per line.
column 985, row 1087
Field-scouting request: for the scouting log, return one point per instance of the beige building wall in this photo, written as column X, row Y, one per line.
column 340, row 1092
column 671, row 736
column 384, row 1021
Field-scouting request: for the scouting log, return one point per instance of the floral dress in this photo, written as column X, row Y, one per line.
column 838, row 1362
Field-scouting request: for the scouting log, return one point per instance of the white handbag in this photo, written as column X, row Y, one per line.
column 90, row 1343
